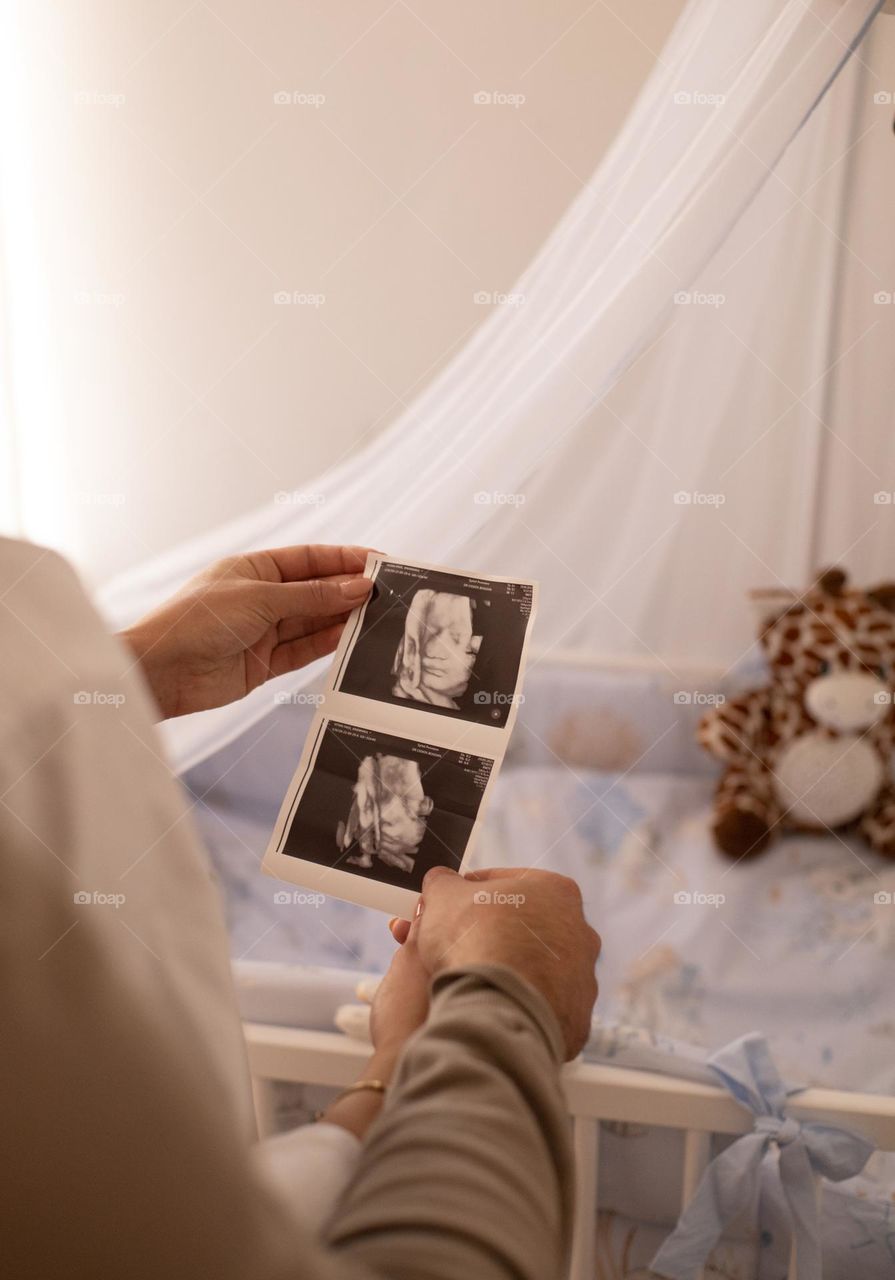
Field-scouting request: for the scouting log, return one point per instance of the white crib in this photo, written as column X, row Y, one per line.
column 593, row 1093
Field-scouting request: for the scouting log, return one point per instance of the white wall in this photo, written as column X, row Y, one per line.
column 171, row 198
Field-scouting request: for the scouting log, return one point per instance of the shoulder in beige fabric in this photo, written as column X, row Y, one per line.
column 124, row 1098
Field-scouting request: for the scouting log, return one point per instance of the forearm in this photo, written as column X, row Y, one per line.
column 468, row 1169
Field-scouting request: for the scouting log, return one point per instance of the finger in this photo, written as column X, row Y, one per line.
column 496, row 873
column 296, row 628
column 296, row 564
column 298, row 653
column 400, row 930
column 318, row 597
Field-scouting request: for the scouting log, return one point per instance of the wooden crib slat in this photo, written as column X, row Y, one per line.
column 792, row 1273
column 263, row 1099
column 586, row 1141
column 697, row 1149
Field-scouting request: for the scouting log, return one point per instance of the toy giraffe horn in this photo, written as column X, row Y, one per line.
column 832, row 581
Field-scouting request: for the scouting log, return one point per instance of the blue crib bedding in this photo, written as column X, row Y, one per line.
column 792, row 944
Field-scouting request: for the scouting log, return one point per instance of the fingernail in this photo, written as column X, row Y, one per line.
column 355, row 588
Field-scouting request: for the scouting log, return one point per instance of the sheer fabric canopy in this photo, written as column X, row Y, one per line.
column 643, row 425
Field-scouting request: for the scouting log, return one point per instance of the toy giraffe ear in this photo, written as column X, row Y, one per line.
column 832, row 581
column 884, row 595
column 767, row 603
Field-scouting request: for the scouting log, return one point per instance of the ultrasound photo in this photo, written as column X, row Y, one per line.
column 383, row 807
column 441, row 641
column 381, row 793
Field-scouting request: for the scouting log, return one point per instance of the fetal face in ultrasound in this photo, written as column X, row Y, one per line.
column 441, row 641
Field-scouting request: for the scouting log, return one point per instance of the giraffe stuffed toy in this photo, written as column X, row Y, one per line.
column 812, row 750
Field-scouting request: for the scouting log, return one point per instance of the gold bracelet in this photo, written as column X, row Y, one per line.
column 372, row 1086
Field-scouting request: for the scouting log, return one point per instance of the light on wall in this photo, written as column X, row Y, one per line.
column 33, row 497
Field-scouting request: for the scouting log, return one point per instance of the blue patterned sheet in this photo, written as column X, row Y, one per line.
column 792, row 944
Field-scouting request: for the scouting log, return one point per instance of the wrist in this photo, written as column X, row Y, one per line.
column 482, row 953
column 357, row 1109
column 140, row 644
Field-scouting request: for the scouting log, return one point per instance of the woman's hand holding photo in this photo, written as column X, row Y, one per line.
column 245, row 620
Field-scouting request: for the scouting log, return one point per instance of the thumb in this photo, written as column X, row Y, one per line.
column 440, row 884
column 496, row 873
column 434, row 874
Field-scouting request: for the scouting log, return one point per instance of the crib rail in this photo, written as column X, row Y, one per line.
column 593, row 1093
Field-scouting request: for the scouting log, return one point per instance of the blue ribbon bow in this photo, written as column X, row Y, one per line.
column 768, row 1173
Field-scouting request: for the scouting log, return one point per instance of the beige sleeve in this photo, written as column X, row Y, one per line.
column 467, row 1173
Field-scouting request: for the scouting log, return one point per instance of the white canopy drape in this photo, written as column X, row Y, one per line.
column 609, row 430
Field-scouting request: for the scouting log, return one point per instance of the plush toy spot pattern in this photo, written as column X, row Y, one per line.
column 813, row 749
